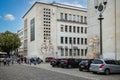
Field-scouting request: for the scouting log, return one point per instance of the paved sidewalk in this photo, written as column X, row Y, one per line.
column 76, row 72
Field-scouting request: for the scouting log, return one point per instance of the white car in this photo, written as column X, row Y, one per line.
column 105, row 66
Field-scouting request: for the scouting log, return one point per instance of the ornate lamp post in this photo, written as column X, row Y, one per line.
column 100, row 6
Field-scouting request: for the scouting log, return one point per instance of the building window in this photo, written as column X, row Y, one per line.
column 78, row 18
column 81, row 52
column 78, row 40
column 70, row 17
column 78, row 52
column 66, row 17
column 74, row 52
column 66, row 52
column 32, row 29
column 62, row 52
column 74, row 40
column 85, row 40
column 81, row 19
column 70, row 40
column 65, row 28
column 85, row 19
column 74, row 17
column 85, row 52
column 74, row 29
column 61, row 15
column 85, row 30
column 81, row 40
column 81, row 29
column 70, row 51
column 62, row 41
column 61, row 29
column 70, row 28
column 78, row 29
column 66, row 40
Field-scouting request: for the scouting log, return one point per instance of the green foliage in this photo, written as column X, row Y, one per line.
column 9, row 41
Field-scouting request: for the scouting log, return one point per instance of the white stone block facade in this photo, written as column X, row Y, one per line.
column 110, row 27
column 57, row 30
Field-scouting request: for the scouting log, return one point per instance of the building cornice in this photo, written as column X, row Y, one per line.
column 58, row 5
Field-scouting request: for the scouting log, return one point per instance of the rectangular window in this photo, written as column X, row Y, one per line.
column 70, row 28
column 85, row 30
column 81, row 40
column 85, row 19
column 62, row 40
column 74, row 17
column 85, row 52
column 70, row 40
column 78, row 52
column 78, row 29
column 78, row 18
column 32, row 29
column 85, row 40
column 81, row 52
column 78, row 40
column 65, row 28
column 74, row 29
column 70, row 51
column 81, row 19
column 70, row 17
column 74, row 40
column 62, row 28
column 66, row 40
column 81, row 29
column 62, row 52
column 66, row 52
column 61, row 15
column 66, row 17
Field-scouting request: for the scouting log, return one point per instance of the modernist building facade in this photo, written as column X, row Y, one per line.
column 21, row 36
column 55, row 30
column 110, row 27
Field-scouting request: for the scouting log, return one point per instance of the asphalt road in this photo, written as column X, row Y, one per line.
column 22, row 72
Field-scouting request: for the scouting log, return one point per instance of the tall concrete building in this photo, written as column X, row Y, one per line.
column 55, row 30
column 110, row 27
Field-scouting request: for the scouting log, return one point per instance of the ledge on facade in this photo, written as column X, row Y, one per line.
column 63, row 20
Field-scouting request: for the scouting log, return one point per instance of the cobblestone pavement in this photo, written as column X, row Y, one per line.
column 22, row 72
column 77, row 73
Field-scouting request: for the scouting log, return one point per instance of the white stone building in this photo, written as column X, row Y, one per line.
column 110, row 27
column 20, row 49
column 55, row 30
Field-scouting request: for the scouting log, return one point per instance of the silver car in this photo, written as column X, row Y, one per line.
column 105, row 66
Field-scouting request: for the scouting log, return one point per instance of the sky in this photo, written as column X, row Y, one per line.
column 12, row 11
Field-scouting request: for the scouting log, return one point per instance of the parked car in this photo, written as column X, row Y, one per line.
column 69, row 63
column 48, row 59
column 105, row 66
column 55, row 62
column 85, row 64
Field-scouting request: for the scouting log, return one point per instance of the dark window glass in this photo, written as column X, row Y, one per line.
column 66, row 40
column 32, row 29
column 66, row 28
column 74, row 29
column 81, row 52
column 85, row 40
column 81, row 40
column 70, row 28
column 81, row 29
column 65, row 16
column 97, row 62
column 62, row 40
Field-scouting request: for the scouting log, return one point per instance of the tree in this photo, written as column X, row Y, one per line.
column 9, row 42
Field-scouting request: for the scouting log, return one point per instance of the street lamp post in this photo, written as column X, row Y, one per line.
column 100, row 6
